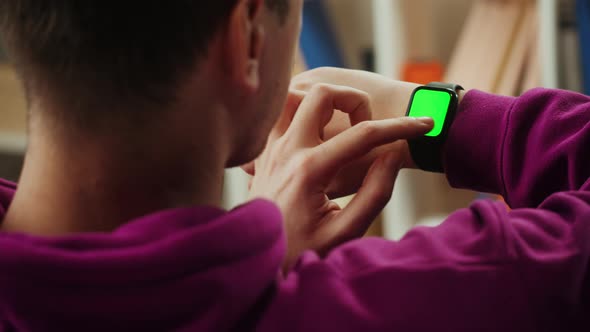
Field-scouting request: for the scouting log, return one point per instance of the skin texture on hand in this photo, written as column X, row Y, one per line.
column 388, row 99
column 299, row 164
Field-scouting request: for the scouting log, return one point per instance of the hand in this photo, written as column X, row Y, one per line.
column 388, row 99
column 298, row 165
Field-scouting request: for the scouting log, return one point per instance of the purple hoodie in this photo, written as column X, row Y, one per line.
column 203, row 269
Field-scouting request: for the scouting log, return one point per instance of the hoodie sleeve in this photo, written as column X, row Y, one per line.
column 524, row 148
column 486, row 268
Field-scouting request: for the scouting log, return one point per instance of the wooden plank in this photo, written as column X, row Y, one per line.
column 532, row 77
column 514, row 68
column 484, row 43
column 460, row 66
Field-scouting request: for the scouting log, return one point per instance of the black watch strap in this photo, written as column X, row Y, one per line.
column 427, row 151
column 451, row 86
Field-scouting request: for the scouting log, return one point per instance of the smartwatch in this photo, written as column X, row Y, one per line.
column 438, row 101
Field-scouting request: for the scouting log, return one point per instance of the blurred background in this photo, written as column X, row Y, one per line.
column 500, row 46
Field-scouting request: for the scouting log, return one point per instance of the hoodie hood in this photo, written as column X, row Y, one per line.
column 197, row 268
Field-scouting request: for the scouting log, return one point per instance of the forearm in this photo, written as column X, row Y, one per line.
column 508, row 269
column 524, row 148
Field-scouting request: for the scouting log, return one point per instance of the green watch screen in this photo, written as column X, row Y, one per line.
column 431, row 103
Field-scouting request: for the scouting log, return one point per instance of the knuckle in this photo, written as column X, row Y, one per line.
column 322, row 89
column 283, row 146
column 360, row 94
column 361, row 99
column 304, row 164
column 364, row 96
column 307, row 160
column 367, row 129
column 364, row 100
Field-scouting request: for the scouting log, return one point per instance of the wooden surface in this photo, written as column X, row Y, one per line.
column 522, row 45
column 486, row 44
column 12, row 104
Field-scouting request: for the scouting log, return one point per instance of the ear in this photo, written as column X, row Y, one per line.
column 244, row 43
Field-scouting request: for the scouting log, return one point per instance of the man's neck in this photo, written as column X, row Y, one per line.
column 81, row 186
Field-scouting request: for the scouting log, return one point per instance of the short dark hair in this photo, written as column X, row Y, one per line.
column 110, row 52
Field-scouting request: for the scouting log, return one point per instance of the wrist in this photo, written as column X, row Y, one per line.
column 461, row 95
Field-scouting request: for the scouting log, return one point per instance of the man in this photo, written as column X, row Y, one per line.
column 135, row 111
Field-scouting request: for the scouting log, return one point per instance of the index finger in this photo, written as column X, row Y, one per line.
column 359, row 140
